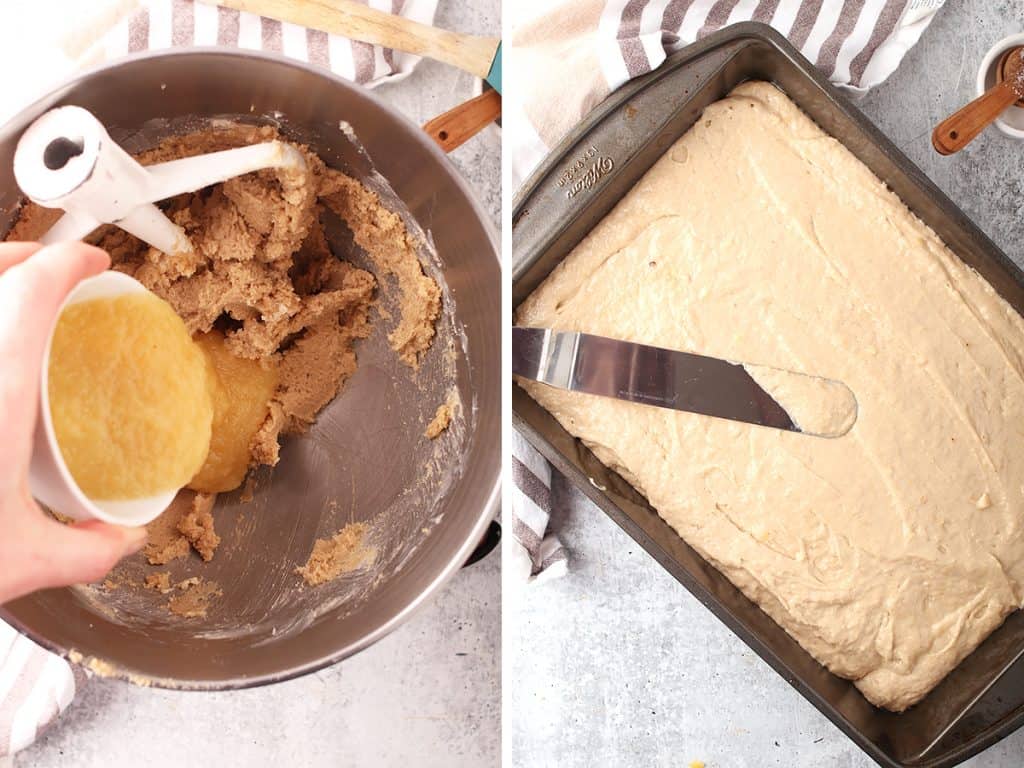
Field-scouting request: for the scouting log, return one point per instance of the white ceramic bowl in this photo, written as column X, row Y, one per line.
column 49, row 479
column 1011, row 121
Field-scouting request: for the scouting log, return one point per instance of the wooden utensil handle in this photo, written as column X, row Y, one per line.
column 353, row 20
column 458, row 125
column 957, row 130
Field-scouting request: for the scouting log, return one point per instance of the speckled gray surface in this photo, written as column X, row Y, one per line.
column 617, row 664
column 427, row 695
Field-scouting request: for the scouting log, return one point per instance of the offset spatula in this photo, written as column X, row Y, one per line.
column 683, row 381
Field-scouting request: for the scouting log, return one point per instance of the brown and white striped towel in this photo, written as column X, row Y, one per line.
column 50, row 40
column 158, row 24
column 35, row 687
column 60, row 37
column 597, row 45
column 536, row 554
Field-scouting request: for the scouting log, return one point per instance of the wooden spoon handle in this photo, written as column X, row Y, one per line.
column 957, row 130
column 458, row 125
column 470, row 53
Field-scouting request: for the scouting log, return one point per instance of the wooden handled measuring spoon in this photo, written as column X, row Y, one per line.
column 959, row 129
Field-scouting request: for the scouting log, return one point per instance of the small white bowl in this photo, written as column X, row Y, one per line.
column 49, row 479
column 1011, row 121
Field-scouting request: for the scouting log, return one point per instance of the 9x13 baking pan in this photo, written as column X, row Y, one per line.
column 982, row 700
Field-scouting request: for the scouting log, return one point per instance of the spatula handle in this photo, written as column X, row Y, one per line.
column 959, row 129
column 470, row 53
column 460, row 124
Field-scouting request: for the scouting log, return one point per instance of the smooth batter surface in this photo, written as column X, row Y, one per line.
column 759, row 238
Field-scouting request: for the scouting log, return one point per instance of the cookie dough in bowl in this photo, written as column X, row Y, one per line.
column 341, row 308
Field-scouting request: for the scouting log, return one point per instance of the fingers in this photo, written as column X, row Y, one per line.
column 31, row 292
column 15, row 253
column 53, row 270
column 57, row 555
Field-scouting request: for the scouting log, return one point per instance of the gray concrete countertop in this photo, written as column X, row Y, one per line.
column 427, row 695
column 617, row 664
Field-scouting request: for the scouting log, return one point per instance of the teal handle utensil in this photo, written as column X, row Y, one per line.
column 494, row 76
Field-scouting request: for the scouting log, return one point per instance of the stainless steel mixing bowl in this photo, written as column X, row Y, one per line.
column 365, row 459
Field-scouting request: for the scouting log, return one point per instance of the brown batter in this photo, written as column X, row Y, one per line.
column 442, row 418
column 262, row 273
column 164, row 542
column 345, row 552
column 193, row 598
column 197, row 526
column 161, row 582
column 186, row 524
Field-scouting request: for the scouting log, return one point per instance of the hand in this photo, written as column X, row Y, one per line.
column 35, row 550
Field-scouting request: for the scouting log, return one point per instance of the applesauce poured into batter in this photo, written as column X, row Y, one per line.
column 241, row 390
column 129, row 396
column 140, row 408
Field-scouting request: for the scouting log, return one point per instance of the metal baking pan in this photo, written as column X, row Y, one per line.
column 982, row 700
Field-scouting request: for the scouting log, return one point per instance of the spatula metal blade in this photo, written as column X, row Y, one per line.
column 655, row 376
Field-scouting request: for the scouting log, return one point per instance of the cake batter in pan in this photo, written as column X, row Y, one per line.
column 982, row 700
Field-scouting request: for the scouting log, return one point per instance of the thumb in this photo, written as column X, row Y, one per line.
column 81, row 553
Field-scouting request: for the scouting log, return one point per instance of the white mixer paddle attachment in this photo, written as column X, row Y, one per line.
column 67, row 160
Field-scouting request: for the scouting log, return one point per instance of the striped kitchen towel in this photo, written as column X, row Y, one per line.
column 597, row 45
column 157, row 24
column 35, row 687
column 536, row 555
column 57, row 39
